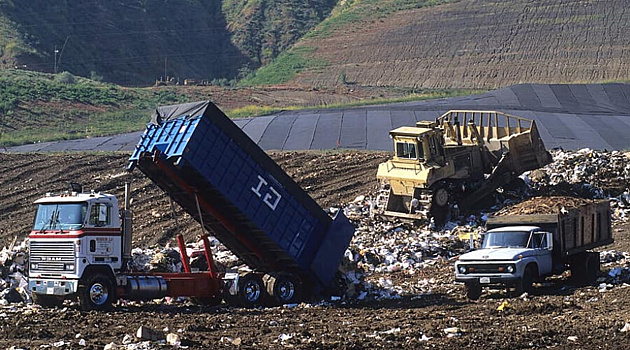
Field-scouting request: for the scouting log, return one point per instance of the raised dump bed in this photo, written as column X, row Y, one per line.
column 226, row 182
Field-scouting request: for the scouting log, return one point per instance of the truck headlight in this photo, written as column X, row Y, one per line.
column 510, row 268
column 34, row 266
column 462, row 269
column 70, row 267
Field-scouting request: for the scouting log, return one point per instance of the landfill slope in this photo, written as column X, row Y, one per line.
column 400, row 290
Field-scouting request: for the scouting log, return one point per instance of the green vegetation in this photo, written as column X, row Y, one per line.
column 356, row 11
column 285, row 67
column 37, row 107
column 16, row 86
column 263, row 29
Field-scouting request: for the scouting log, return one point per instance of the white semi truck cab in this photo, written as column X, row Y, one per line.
column 74, row 235
column 518, row 250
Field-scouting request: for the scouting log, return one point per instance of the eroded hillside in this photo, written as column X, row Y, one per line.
column 468, row 44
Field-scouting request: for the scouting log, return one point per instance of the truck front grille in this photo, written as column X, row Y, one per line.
column 51, row 256
column 486, row 268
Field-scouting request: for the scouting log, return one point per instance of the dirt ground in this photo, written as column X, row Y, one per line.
column 559, row 315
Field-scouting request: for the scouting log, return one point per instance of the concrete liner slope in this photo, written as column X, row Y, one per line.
column 570, row 116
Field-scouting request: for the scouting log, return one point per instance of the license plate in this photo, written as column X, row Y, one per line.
column 484, row 280
column 50, row 290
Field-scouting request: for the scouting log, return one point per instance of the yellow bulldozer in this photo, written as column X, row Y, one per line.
column 456, row 161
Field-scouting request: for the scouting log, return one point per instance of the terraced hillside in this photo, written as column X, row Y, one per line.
column 467, row 43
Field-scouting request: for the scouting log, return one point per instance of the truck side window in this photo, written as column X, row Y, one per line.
column 539, row 240
column 100, row 215
column 406, row 150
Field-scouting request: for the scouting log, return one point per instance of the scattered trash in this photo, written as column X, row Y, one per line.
column 626, row 328
column 391, row 331
column 149, row 334
column 453, row 332
column 173, row 339
column 504, row 306
column 572, row 338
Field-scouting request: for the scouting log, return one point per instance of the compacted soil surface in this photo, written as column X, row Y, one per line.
column 557, row 315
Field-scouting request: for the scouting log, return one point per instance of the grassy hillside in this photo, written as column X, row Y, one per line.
column 460, row 44
column 133, row 42
column 262, row 29
column 38, row 107
column 43, row 107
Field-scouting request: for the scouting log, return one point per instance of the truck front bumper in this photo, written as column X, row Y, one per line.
column 489, row 279
column 52, row 286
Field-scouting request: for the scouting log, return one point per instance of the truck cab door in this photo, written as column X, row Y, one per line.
column 543, row 245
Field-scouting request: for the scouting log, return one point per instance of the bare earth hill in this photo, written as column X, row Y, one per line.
column 472, row 44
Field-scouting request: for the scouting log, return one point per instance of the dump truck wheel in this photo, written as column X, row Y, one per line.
column 585, row 268
column 97, row 294
column 592, row 267
column 525, row 285
column 284, row 288
column 47, row 300
column 250, row 290
column 473, row 291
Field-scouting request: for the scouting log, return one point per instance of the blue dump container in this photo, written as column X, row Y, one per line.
column 225, row 181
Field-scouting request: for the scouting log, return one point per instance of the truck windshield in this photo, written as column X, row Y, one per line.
column 60, row 216
column 507, row 239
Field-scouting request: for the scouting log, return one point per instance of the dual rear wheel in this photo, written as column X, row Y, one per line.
column 277, row 289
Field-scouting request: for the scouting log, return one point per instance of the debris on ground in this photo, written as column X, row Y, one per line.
column 396, row 290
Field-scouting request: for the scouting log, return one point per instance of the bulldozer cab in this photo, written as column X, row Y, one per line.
column 418, row 145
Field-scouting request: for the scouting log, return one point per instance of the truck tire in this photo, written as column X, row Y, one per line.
column 585, row 268
column 592, row 268
column 473, row 291
column 284, row 289
column 251, row 290
column 47, row 300
column 97, row 293
column 525, row 285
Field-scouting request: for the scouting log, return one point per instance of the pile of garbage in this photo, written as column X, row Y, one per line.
column 543, row 205
column 14, row 274
column 382, row 249
column 585, row 173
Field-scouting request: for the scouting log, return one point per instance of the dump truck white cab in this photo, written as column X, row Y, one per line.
column 73, row 232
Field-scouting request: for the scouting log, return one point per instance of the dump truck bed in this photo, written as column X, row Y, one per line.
column 575, row 229
column 224, row 180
